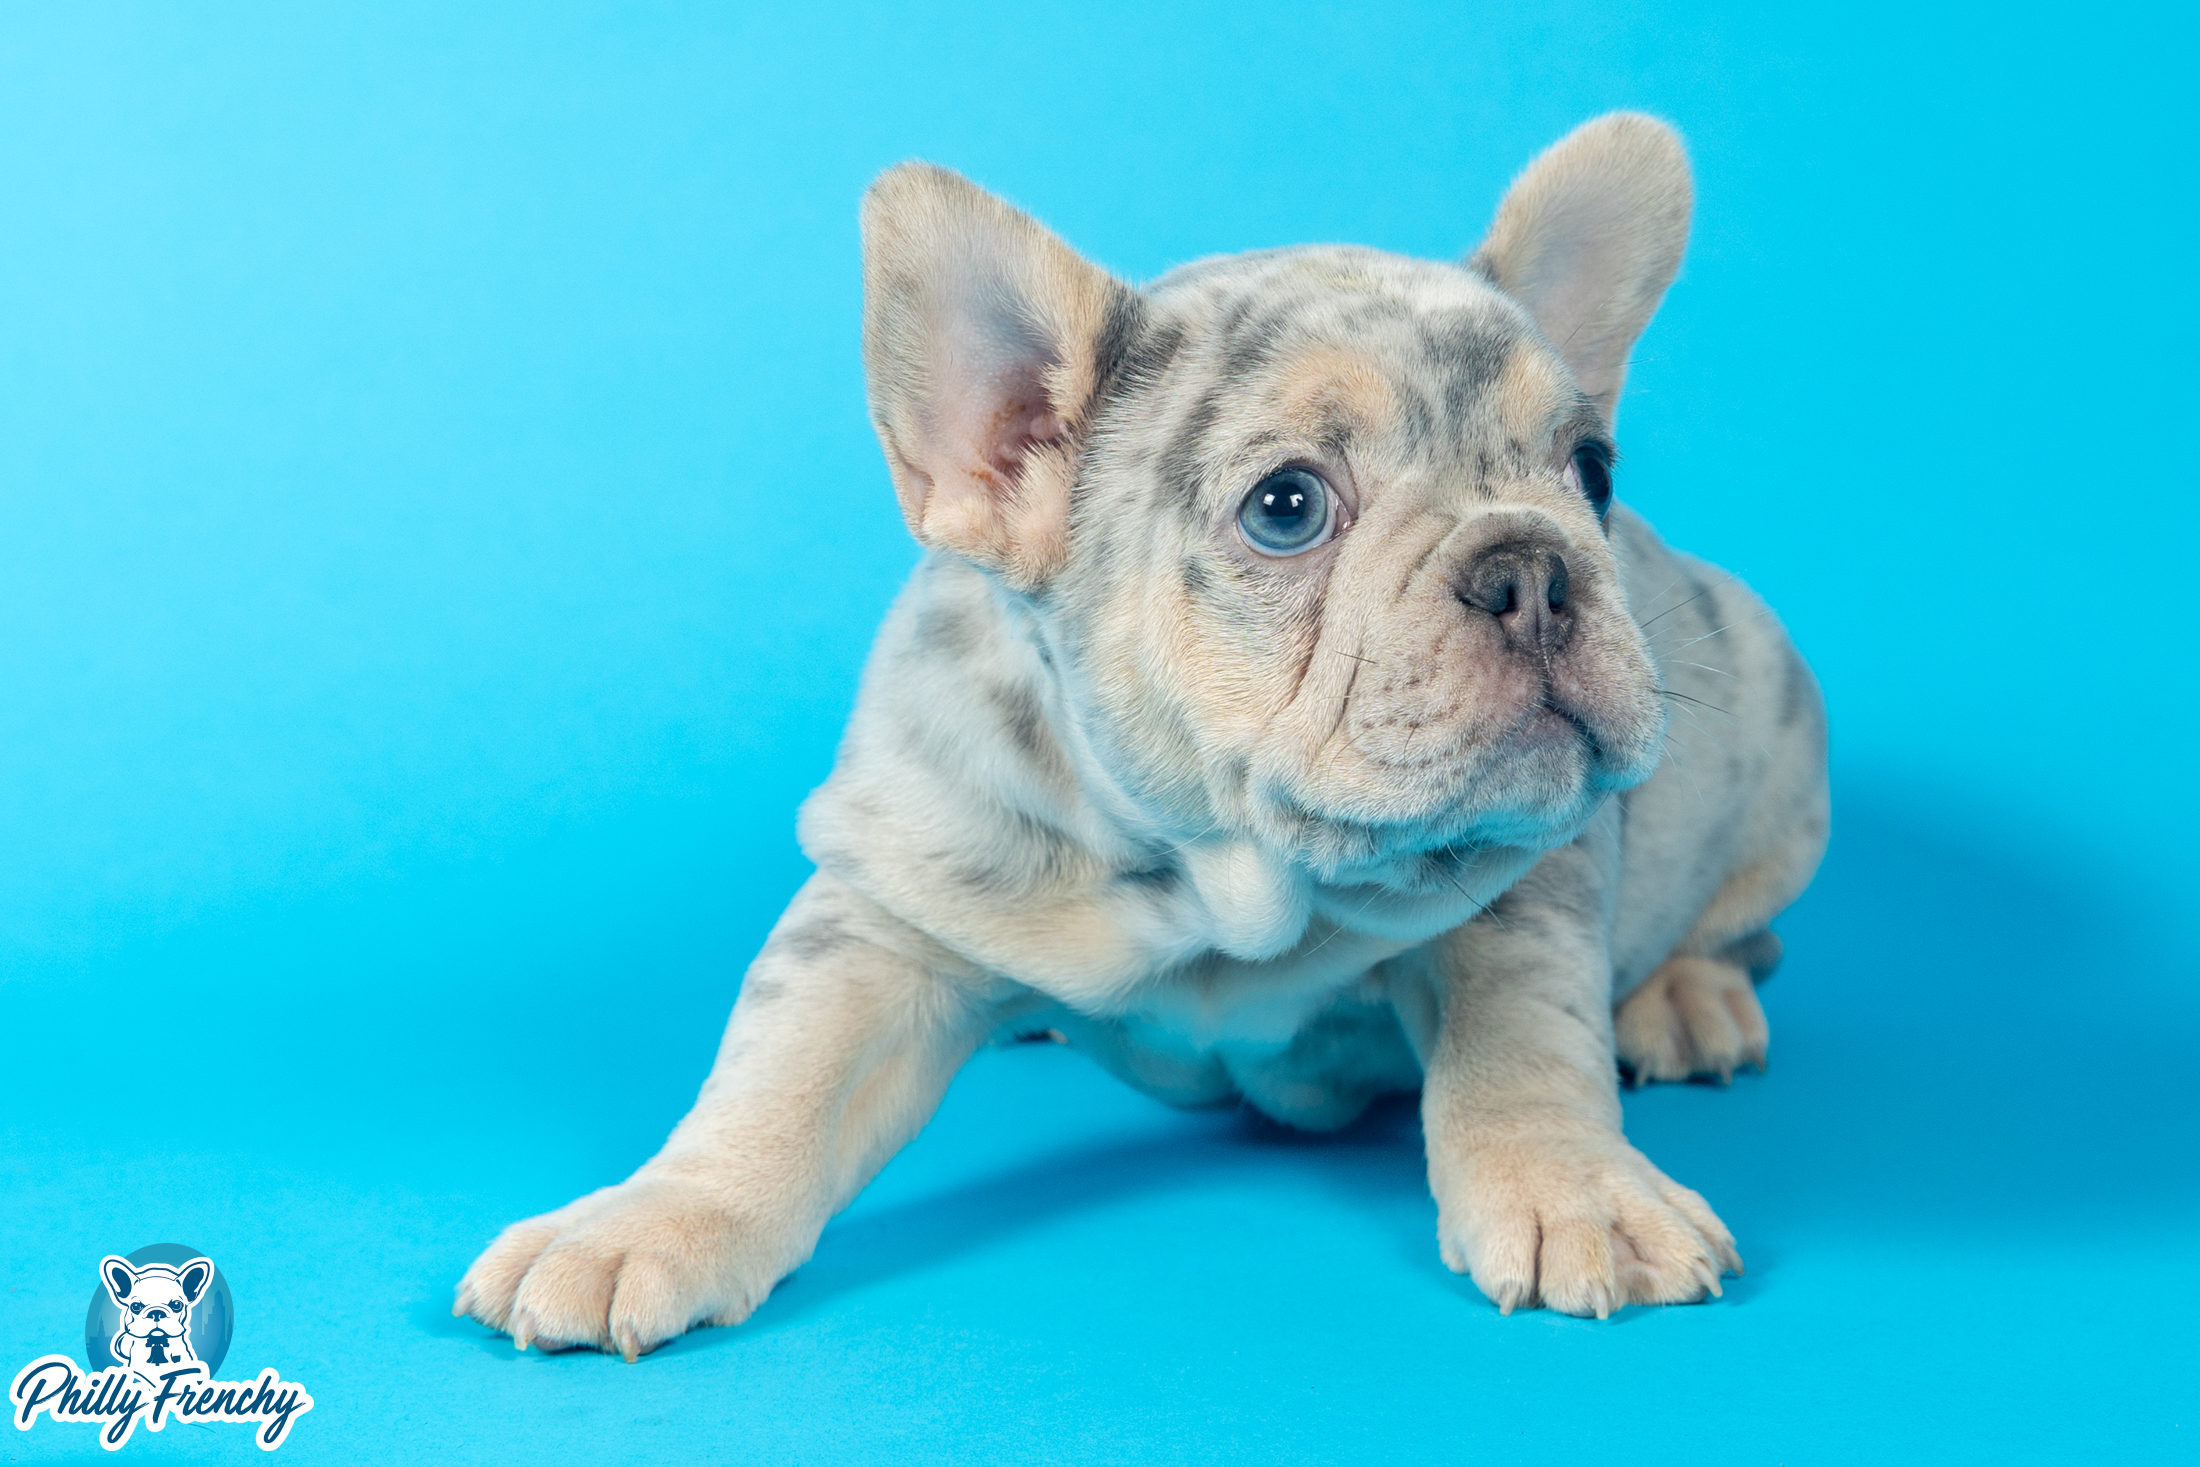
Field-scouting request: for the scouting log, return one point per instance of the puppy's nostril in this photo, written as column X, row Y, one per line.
column 1528, row 590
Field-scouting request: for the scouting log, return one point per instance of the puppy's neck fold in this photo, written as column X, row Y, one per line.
column 971, row 800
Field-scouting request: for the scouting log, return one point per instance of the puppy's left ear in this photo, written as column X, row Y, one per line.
column 193, row 1277
column 1589, row 237
column 120, row 1277
column 985, row 340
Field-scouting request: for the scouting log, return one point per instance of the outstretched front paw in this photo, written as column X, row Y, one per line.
column 1583, row 1225
column 623, row 1269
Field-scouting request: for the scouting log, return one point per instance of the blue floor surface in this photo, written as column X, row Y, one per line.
column 1967, row 1193
column 440, row 531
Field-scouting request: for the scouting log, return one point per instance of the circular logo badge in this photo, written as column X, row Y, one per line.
column 207, row 1321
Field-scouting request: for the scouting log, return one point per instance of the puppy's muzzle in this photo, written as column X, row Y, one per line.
column 1525, row 587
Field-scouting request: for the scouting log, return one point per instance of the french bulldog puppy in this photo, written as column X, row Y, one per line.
column 1284, row 713
column 156, row 1305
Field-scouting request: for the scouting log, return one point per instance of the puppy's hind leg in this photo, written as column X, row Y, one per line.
column 1697, row 1013
column 1693, row 1016
column 848, row 1028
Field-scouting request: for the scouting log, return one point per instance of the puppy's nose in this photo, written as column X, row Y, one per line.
column 156, row 1314
column 1525, row 588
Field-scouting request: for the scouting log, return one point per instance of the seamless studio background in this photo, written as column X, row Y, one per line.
column 440, row 532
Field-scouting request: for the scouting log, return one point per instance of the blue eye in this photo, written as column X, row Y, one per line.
column 1593, row 467
column 1289, row 511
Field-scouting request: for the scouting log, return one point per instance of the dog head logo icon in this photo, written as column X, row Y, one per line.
column 155, row 1300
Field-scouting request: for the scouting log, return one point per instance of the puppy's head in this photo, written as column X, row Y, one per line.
column 157, row 1296
column 1315, row 536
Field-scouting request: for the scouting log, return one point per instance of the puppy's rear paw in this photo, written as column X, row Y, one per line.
column 623, row 1269
column 1694, row 1016
column 1583, row 1225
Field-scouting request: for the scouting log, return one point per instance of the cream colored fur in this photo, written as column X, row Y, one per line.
column 1295, row 831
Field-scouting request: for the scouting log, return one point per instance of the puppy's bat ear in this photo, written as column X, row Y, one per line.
column 193, row 1277
column 1589, row 237
column 985, row 341
column 120, row 1277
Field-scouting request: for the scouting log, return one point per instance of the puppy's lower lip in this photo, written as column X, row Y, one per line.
column 1550, row 723
column 1550, row 726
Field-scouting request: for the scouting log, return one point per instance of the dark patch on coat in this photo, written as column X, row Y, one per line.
column 1470, row 353
column 1697, row 606
column 1416, row 415
column 1240, row 308
column 815, row 940
column 1024, row 720
column 1180, row 464
column 947, row 628
column 1119, row 332
column 1711, row 612
column 1039, row 855
column 1150, row 355
column 1250, row 347
column 1335, row 435
column 1795, row 688
column 1161, row 875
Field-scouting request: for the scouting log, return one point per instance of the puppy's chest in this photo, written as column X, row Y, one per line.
column 1272, row 947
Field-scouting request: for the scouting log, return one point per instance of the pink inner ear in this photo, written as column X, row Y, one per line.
column 1005, row 411
column 1018, row 425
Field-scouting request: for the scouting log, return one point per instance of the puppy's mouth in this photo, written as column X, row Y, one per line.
column 1549, row 724
column 1535, row 780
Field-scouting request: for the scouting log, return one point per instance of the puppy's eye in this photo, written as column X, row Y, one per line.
column 1288, row 512
column 137, row 1308
column 1592, row 475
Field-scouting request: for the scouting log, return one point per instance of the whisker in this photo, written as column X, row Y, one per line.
column 1193, row 840
column 1759, row 614
column 1757, row 744
column 1683, row 766
column 1707, row 636
column 1480, row 909
column 1700, row 594
column 1700, row 703
column 1707, row 733
column 1669, row 585
column 1339, row 927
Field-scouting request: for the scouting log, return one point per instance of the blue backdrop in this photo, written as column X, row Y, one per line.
column 439, row 532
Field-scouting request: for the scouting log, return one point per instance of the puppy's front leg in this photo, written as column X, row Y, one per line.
column 1539, row 1195
column 848, row 1028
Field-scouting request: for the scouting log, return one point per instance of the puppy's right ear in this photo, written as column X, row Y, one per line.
column 120, row 1278
column 985, row 341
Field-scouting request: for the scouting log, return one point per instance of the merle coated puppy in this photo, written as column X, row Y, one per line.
column 1284, row 712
